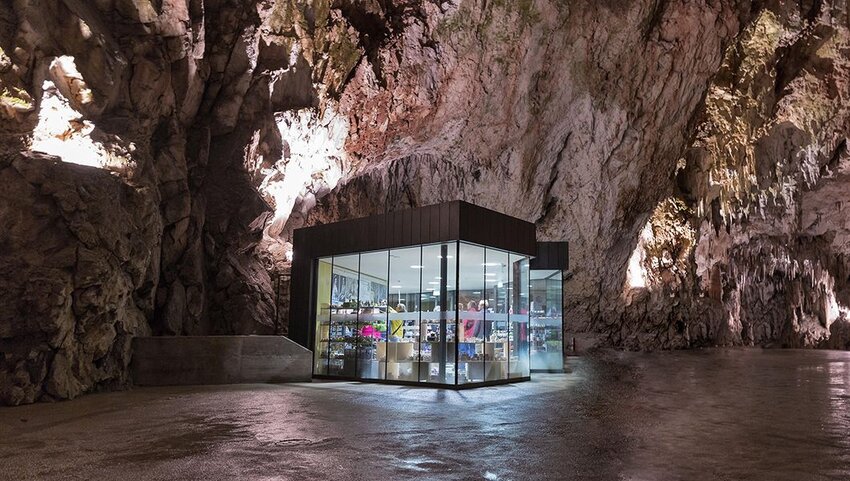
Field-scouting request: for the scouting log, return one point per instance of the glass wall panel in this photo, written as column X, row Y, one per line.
column 343, row 320
column 323, row 314
column 547, row 341
column 403, row 326
column 372, row 319
column 497, row 282
column 439, row 303
column 440, row 313
column 519, row 317
column 472, row 303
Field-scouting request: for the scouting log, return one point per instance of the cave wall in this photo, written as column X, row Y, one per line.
column 570, row 115
column 763, row 186
column 694, row 154
column 79, row 256
column 139, row 93
column 697, row 167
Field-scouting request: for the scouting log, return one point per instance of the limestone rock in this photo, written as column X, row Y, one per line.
column 67, row 290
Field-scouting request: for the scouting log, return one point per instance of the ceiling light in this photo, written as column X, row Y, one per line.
column 416, row 267
column 434, row 283
column 396, row 287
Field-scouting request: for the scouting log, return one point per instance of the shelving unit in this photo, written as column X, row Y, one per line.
column 402, row 361
column 409, row 360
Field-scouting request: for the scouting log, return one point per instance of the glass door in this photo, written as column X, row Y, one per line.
column 547, row 335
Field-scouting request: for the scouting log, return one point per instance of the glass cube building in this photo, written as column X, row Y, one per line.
column 435, row 295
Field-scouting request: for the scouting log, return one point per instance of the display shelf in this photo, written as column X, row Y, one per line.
column 537, row 322
column 401, row 352
column 484, row 360
column 351, row 308
column 431, row 373
column 403, row 370
column 470, row 371
column 496, row 370
column 371, row 369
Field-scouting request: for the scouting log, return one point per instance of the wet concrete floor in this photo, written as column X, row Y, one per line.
column 732, row 414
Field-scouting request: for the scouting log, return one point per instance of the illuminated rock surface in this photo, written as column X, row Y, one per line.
column 700, row 416
column 693, row 153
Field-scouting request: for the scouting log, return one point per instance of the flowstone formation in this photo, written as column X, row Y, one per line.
column 693, row 152
column 765, row 184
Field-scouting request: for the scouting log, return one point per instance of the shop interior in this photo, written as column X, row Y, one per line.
column 450, row 313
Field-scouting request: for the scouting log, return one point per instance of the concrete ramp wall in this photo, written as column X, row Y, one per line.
column 186, row 360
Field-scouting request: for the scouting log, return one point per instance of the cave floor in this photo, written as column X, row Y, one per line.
column 731, row 414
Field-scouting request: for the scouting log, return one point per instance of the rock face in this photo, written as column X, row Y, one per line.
column 694, row 153
column 694, row 157
column 149, row 92
column 78, row 274
column 764, row 183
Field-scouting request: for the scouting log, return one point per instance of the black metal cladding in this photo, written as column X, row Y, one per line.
column 449, row 221
column 552, row 255
column 425, row 225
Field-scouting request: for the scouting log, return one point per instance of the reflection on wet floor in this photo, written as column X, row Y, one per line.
column 700, row 415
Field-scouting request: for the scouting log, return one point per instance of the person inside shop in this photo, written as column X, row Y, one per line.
column 535, row 306
column 473, row 328
column 484, row 306
column 369, row 331
column 397, row 325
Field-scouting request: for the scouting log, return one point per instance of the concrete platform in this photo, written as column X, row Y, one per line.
column 189, row 360
column 714, row 415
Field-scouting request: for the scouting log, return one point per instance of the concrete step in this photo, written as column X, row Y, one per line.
column 187, row 360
